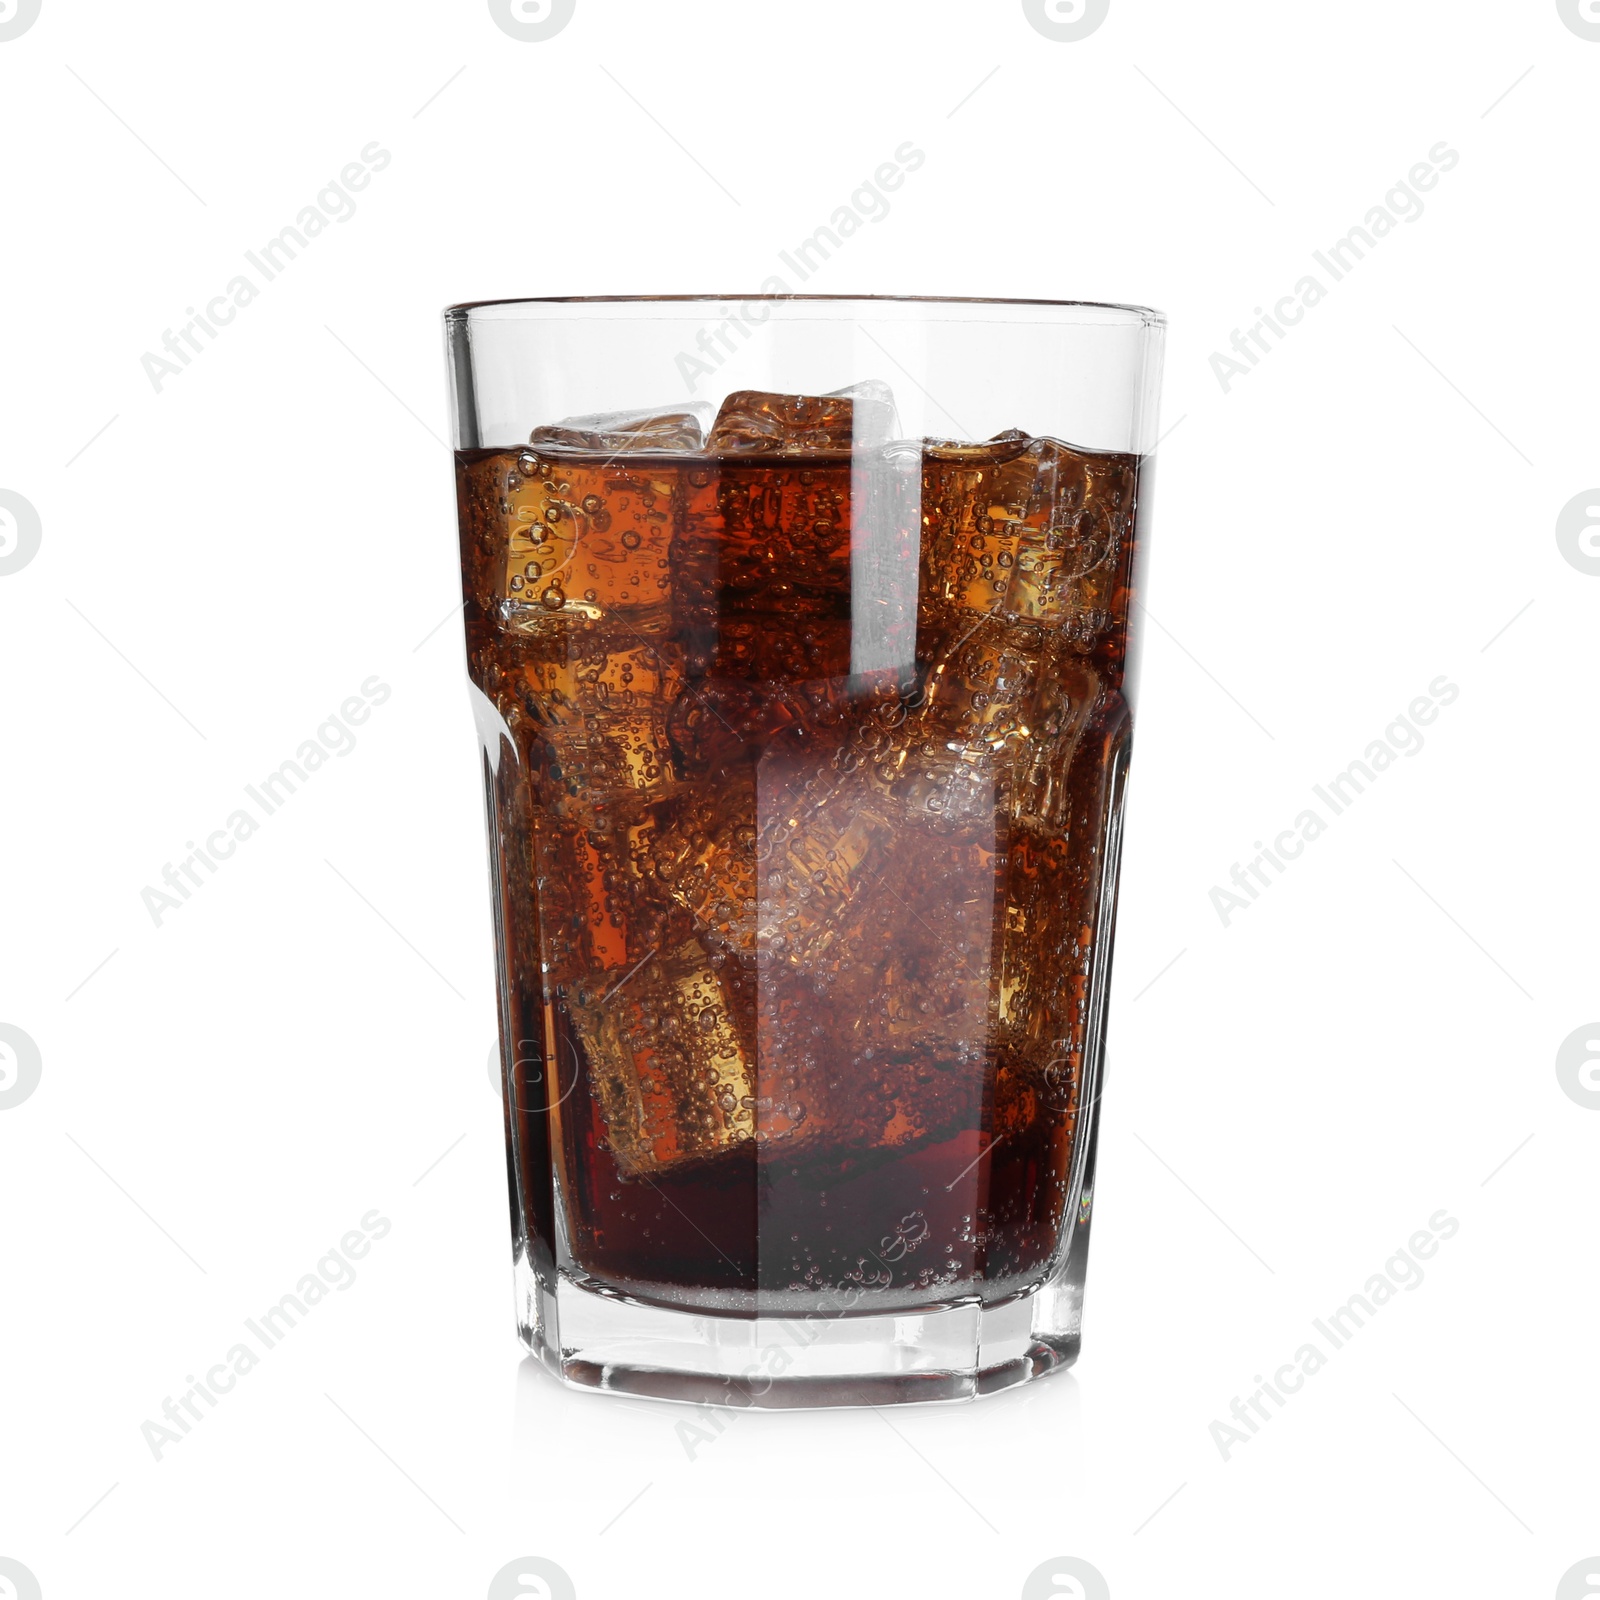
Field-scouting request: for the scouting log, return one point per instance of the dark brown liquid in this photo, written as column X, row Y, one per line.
column 803, row 814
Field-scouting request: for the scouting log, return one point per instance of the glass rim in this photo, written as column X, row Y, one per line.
column 473, row 310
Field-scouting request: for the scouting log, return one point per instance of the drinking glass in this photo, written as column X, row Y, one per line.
column 799, row 637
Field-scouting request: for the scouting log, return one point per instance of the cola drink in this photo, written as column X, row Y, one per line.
column 806, row 745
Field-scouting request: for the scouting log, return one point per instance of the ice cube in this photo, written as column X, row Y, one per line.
column 1043, row 945
column 669, row 1057
column 753, row 422
column 622, row 432
column 996, row 720
column 719, row 723
column 602, row 708
column 873, row 418
column 1043, row 979
column 821, row 831
column 587, row 540
column 705, row 858
column 974, row 450
column 841, row 1095
column 875, row 1010
column 761, row 569
column 1027, row 529
column 1054, row 874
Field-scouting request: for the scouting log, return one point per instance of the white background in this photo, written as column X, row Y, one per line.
column 1290, row 1098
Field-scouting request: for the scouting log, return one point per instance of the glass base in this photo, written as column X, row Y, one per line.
column 599, row 1339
